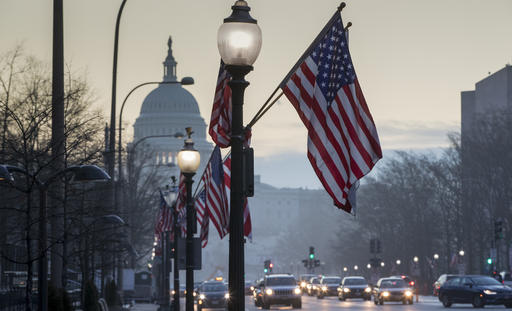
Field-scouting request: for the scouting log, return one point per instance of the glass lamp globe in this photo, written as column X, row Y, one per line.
column 188, row 158
column 239, row 37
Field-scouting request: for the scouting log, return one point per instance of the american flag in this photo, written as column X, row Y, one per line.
column 343, row 144
column 181, row 205
column 164, row 219
column 203, row 217
column 220, row 121
column 227, row 182
column 216, row 199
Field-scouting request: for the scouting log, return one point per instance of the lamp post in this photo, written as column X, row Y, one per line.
column 188, row 161
column 239, row 43
column 82, row 173
column 173, row 195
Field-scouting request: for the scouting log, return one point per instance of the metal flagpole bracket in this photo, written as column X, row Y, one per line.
column 342, row 5
column 349, row 24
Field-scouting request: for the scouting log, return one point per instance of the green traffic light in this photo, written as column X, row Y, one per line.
column 489, row 261
column 265, row 270
column 311, row 256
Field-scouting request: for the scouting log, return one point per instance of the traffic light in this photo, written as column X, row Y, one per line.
column 267, row 266
column 270, row 266
column 311, row 252
column 305, row 262
column 498, row 229
column 372, row 246
column 489, row 261
column 378, row 249
column 316, row 263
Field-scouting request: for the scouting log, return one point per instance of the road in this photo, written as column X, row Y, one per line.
column 332, row 303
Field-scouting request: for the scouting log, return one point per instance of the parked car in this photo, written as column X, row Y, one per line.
column 328, row 286
column 392, row 289
column 312, row 286
column 354, row 287
column 212, row 294
column 478, row 290
column 280, row 289
column 440, row 281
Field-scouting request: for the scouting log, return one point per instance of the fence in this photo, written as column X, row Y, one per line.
column 13, row 299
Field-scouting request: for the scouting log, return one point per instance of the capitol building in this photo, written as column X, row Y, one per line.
column 285, row 221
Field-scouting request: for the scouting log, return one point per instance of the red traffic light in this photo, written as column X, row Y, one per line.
column 271, row 265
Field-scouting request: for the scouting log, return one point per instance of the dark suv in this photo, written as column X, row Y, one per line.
column 328, row 286
column 354, row 287
column 212, row 294
column 280, row 289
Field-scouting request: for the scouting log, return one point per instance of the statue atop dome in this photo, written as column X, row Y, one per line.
column 170, row 64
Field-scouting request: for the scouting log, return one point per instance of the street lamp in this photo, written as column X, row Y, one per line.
column 415, row 259
column 436, row 256
column 461, row 253
column 356, row 267
column 369, row 266
column 81, row 173
column 188, row 161
column 239, row 42
column 398, row 261
column 345, row 269
column 382, row 264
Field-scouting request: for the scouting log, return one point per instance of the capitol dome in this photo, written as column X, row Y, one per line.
column 171, row 99
column 169, row 109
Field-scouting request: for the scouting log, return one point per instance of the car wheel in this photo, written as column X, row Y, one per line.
column 199, row 308
column 297, row 305
column 375, row 301
column 320, row 297
column 381, row 302
column 411, row 301
column 508, row 305
column 446, row 301
column 478, row 302
column 404, row 302
column 265, row 306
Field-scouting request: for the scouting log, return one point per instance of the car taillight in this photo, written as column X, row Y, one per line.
column 411, row 283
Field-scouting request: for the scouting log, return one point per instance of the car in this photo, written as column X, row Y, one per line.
column 392, row 289
column 304, row 280
column 249, row 287
column 507, row 278
column 328, row 286
column 280, row 289
column 257, row 294
column 479, row 290
column 354, row 287
column 312, row 286
column 212, row 294
column 440, row 281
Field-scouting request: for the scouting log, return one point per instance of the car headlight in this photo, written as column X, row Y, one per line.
column 202, row 297
column 269, row 291
column 297, row 291
column 346, row 290
column 408, row 293
column 194, row 294
column 489, row 292
column 324, row 288
column 226, row 295
column 314, row 286
column 252, row 287
column 308, row 286
column 367, row 289
column 303, row 284
column 385, row 294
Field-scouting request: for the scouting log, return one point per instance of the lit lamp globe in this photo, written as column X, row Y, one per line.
column 239, row 37
column 189, row 158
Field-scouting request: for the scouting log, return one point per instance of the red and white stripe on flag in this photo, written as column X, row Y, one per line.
column 203, row 217
column 343, row 144
column 220, row 121
column 164, row 219
column 247, row 213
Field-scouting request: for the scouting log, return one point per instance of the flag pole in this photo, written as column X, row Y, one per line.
column 326, row 28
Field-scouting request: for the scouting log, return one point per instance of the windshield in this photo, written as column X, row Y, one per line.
column 486, row 281
column 305, row 277
column 214, row 288
column 281, row 281
column 332, row 281
column 315, row 281
column 355, row 282
column 392, row 284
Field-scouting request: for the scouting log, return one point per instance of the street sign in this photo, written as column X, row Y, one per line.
column 182, row 254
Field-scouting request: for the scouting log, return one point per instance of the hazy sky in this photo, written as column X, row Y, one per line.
column 412, row 57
